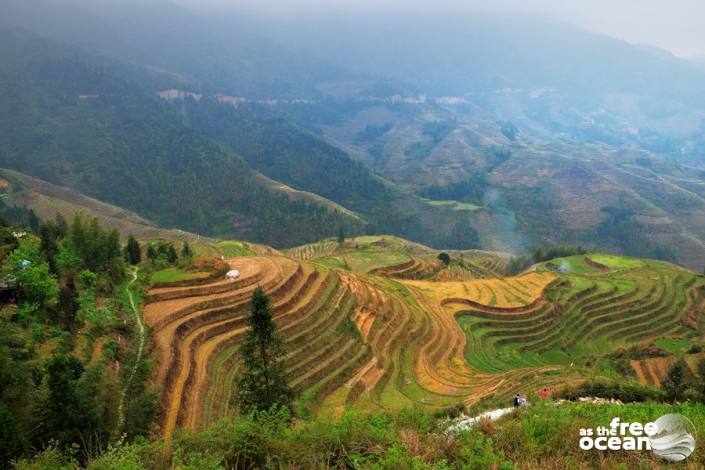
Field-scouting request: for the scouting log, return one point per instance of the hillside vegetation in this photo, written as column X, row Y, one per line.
column 544, row 436
column 75, row 122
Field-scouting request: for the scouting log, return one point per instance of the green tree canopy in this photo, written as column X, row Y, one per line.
column 675, row 384
column 263, row 382
column 186, row 251
column 133, row 251
column 27, row 269
column 341, row 235
column 171, row 254
column 151, row 253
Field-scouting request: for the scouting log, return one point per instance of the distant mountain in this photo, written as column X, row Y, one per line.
column 446, row 52
column 161, row 35
column 519, row 131
column 549, row 78
column 78, row 124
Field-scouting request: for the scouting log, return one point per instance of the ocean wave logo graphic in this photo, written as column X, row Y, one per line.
column 675, row 439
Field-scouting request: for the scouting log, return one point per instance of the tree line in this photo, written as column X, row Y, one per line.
column 65, row 280
column 519, row 263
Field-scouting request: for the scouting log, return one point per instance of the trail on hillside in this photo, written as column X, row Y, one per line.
column 140, row 349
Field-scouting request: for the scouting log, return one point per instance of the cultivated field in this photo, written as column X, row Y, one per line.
column 370, row 324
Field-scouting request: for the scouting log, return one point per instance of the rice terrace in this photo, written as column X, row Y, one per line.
column 352, row 234
column 383, row 324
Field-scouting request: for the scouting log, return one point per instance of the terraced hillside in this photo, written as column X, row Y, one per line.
column 47, row 200
column 394, row 257
column 369, row 324
column 598, row 305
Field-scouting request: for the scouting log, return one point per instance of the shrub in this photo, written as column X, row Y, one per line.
column 675, row 384
column 450, row 412
column 623, row 391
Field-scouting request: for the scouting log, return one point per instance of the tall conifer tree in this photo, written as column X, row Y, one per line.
column 263, row 383
column 134, row 254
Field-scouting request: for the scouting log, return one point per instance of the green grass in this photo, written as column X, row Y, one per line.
column 364, row 261
column 616, row 262
column 457, row 205
column 576, row 264
column 175, row 274
column 233, row 249
column 677, row 347
column 545, row 435
column 333, row 263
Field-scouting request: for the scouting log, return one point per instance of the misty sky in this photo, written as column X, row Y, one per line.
column 675, row 25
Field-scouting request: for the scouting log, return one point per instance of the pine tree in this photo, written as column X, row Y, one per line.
column 161, row 248
column 48, row 243
column 675, row 385
column 151, row 253
column 67, row 306
column 134, row 254
column 540, row 255
column 33, row 221
column 341, row 236
column 171, row 254
column 186, row 251
column 61, row 226
column 263, row 383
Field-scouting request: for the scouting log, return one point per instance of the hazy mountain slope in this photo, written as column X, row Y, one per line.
column 550, row 78
column 76, row 124
column 47, row 199
column 159, row 34
column 533, row 191
column 534, row 106
column 463, row 52
column 289, row 154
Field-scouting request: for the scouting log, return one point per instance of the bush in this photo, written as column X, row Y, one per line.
column 450, row 412
column 624, row 391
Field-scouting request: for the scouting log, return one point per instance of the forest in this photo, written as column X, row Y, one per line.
column 67, row 285
column 88, row 128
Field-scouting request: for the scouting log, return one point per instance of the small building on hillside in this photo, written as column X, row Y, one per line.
column 232, row 274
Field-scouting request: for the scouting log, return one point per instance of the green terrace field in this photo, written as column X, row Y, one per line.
column 460, row 206
column 599, row 304
column 176, row 274
column 395, row 257
column 379, row 323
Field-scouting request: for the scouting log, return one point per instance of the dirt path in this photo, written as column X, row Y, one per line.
column 140, row 350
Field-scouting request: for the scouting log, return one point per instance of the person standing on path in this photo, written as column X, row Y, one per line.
column 544, row 394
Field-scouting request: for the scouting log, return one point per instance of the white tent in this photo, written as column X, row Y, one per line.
column 232, row 274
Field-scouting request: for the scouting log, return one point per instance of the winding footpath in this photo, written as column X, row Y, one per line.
column 140, row 349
